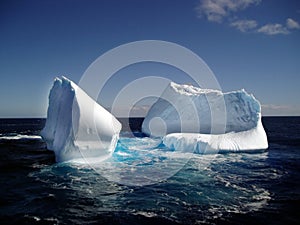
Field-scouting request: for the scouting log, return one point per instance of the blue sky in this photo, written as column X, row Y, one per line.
column 251, row 44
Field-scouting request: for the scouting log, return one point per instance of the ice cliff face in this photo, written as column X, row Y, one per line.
column 184, row 108
column 77, row 128
column 201, row 119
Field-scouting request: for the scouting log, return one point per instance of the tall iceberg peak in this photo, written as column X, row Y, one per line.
column 77, row 128
column 184, row 108
column 203, row 119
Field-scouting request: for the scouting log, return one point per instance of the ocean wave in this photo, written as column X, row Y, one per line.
column 20, row 137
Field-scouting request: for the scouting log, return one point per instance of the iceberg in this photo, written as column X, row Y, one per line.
column 78, row 128
column 206, row 121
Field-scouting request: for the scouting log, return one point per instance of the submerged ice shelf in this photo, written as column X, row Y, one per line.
column 250, row 140
column 77, row 128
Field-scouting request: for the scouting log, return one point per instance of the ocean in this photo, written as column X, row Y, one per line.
column 233, row 188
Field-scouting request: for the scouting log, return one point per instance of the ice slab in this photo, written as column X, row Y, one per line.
column 78, row 128
column 244, row 141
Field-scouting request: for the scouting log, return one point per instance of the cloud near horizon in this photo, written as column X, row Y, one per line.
column 130, row 111
column 280, row 110
column 220, row 11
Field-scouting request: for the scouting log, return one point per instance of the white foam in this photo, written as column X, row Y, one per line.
column 21, row 137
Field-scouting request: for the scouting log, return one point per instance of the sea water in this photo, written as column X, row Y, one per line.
column 146, row 183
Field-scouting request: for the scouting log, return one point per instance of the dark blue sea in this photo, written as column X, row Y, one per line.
column 234, row 188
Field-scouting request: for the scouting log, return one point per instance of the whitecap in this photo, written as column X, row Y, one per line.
column 21, row 137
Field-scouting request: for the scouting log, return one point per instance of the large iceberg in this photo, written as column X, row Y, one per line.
column 204, row 121
column 77, row 128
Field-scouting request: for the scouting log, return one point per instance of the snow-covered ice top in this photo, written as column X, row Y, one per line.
column 184, row 108
column 77, row 128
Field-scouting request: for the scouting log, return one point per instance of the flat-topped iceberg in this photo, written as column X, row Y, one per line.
column 77, row 128
column 203, row 120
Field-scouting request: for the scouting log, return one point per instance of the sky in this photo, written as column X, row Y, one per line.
column 250, row 44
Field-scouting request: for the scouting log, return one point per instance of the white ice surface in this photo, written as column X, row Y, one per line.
column 184, row 108
column 250, row 140
column 77, row 128
column 203, row 120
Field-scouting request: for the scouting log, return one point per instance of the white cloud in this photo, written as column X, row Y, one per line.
column 275, row 107
column 217, row 10
column 130, row 111
column 292, row 24
column 273, row 29
column 244, row 25
column 139, row 111
column 280, row 110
